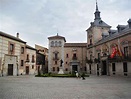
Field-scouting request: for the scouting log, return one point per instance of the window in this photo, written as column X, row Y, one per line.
column 55, row 62
column 126, row 51
column 59, row 43
column 53, row 68
column 66, row 69
column 91, row 57
column 22, row 50
column 55, row 43
column 22, row 63
column 66, row 62
column 67, row 56
column 32, row 66
column 56, row 55
column 11, row 47
column 52, row 43
column 33, row 59
column 98, row 55
column 90, row 41
column 27, row 58
column 74, row 56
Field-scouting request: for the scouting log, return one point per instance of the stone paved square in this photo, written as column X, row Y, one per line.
column 30, row 87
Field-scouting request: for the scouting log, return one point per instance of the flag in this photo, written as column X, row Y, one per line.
column 114, row 51
column 119, row 51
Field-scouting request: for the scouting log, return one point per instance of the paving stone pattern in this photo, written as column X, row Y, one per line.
column 30, row 87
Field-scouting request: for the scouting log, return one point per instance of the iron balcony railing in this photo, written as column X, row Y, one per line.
column 120, row 58
column 74, row 58
column 55, row 58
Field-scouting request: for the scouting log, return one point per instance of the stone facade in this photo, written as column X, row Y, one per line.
column 102, row 40
column 13, row 52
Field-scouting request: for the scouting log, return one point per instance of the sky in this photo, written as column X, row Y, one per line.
column 36, row 20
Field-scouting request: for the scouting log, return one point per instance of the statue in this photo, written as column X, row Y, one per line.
column 61, row 62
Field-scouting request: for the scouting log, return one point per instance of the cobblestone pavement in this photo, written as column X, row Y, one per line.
column 30, row 87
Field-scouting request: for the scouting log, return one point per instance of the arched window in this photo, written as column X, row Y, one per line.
column 59, row 43
column 52, row 43
column 55, row 43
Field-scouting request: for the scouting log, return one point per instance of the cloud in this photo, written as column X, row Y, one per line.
column 36, row 20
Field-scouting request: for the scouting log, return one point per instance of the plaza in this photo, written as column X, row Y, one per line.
column 93, row 87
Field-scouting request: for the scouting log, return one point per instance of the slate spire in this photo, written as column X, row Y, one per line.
column 97, row 12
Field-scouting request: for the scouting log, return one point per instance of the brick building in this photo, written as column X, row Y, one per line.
column 72, row 55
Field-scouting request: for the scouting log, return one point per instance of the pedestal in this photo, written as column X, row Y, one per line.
column 61, row 71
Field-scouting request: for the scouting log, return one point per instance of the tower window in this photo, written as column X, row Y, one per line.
column 52, row 43
column 67, row 56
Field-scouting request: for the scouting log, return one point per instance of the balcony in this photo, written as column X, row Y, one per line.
column 89, row 61
column 33, row 61
column 120, row 58
column 55, row 58
column 27, row 60
column 74, row 58
column 96, row 60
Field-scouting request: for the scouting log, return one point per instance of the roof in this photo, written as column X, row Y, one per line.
column 114, row 36
column 57, row 37
column 11, row 37
column 27, row 46
column 75, row 45
column 99, row 22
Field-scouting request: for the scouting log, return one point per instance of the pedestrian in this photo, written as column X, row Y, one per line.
column 83, row 76
column 77, row 75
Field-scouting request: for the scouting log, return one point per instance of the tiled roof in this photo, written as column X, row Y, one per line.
column 27, row 46
column 57, row 37
column 100, row 23
column 114, row 36
column 11, row 37
column 75, row 45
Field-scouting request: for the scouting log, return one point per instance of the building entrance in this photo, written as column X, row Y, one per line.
column 74, row 68
column 104, row 68
column 10, row 69
column 27, row 70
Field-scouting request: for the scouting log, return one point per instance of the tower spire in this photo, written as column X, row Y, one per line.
column 96, row 6
column 97, row 12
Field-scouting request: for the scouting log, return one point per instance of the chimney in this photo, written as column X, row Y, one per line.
column 17, row 35
column 129, row 23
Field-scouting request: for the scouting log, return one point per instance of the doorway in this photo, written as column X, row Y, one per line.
column 10, row 69
column 125, row 69
column 98, row 69
column 113, row 68
column 90, row 68
column 104, row 68
column 74, row 68
column 27, row 70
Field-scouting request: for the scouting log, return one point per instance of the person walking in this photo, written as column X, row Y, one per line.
column 77, row 75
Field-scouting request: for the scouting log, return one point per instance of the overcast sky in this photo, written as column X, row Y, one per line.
column 36, row 20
